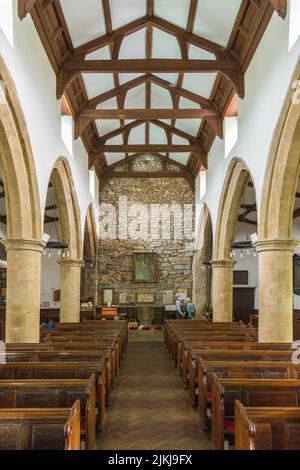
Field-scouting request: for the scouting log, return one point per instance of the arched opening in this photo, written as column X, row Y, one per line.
column 234, row 257
column 276, row 245
column 62, row 258
column 23, row 218
column 88, row 286
column 202, row 266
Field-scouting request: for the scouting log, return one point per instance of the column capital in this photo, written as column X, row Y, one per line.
column 23, row 244
column 223, row 263
column 69, row 262
column 277, row 244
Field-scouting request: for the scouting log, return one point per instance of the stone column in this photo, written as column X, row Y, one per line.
column 23, row 290
column 70, row 272
column 275, row 265
column 222, row 290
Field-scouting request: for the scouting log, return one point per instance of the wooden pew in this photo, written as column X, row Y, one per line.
column 60, row 370
column 56, row 394
column 237, row 370
column 232, row 355
column 64, row 356
column 251, row 393
column 40, row 429
column 266, row 428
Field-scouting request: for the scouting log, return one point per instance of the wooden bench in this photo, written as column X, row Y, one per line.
column 40, row 429
column 251, row 393
column 54, row 394
column 234, row 370
column 266, row 428
column 60, row 370
column 231, row 355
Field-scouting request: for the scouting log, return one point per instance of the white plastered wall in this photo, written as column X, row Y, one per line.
column 35, row 82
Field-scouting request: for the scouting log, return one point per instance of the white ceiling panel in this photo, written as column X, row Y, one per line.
column 180, row 157
column 169, row 77
column 167, row 121
column 160, row 98
column 184, row 103
column 97, row 83
column 191, row 126
column 123, row 12
column 200, row 83
column 215, row 19
column 165, row 46
column 137, row 135
column 134, row 46
column 107, row 126
column 100, row 54
column 195, row 53
column 126, row 77
column 85, row 20
column 174, row 12
column 135, row 98
column 118, row 140
column 114, row 157
column 108, row 104
column 176, row 140
column 157, row 135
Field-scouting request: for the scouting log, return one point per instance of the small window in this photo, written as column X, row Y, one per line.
column 231, row 126
column 294, row 23
column 7, row 20
column 67, row 132
column 93, row 183
column 202, row 184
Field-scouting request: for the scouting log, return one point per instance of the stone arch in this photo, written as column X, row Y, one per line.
column 282, row 171
column 236, row 180
column 68, row 207
column 17, row 163
column 203, row 253
column 90, row 243
column 237, row 177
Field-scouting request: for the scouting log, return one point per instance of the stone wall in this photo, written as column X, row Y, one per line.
column 174, row 256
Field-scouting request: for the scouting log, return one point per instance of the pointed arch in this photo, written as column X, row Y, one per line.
column 17, row 164
column 68, row 207
column 237, row 177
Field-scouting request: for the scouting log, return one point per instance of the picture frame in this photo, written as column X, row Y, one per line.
column 145, row 298
column 122, row 298
column 183, row 292
column 144, row 267
column 45, row 304
column 107, row 296
column 168, row 297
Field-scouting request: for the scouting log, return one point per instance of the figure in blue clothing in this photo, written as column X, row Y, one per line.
column 191, row 309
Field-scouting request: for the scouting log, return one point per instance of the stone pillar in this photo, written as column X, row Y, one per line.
column 70, row 272
column 222, row 290
column 275, row 265
column 23, row 290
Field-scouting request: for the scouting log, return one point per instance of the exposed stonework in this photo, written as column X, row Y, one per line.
column 174, row 257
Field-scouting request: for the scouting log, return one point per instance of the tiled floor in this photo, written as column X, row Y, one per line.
column 149, row 408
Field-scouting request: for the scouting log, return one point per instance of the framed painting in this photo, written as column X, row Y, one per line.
column 107, row 296
column 145, row 298
column 122, row 298
column 144, row 267
column 184, row 293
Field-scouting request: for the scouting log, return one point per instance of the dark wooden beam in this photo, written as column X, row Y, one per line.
column 51, row 208
column 146, row 114
column 25, row 7
column 147, row 174
column 71, row 68
column 149, row 148
column 280, row 6
column 246, row 221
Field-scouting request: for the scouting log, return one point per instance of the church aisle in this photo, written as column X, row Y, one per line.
column 149, row 408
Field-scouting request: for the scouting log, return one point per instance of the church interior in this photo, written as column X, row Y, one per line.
column 150, row 225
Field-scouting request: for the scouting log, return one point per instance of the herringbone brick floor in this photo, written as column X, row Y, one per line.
column 149, row 408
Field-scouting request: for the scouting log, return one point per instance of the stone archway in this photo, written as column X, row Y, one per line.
column 90, row 247
column 237, row 178
column 201, row 272
column 24, row 228
column 275, row 245
column 70, row 227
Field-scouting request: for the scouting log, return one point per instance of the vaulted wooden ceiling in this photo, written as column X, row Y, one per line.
column 149, row 76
